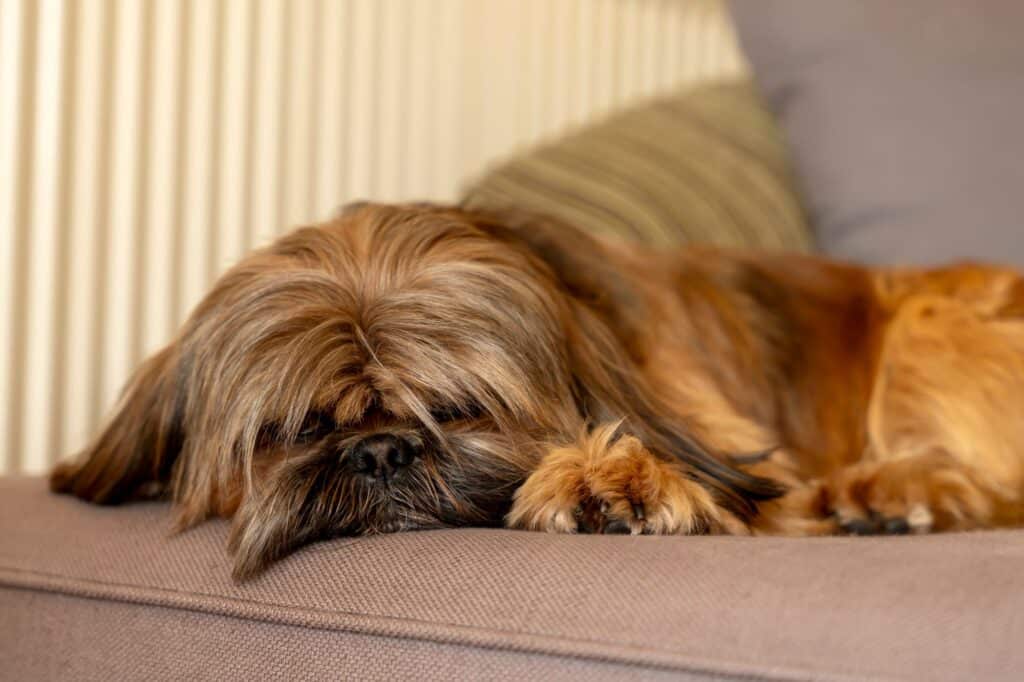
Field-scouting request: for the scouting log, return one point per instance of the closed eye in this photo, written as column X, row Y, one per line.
column 315, row 426
column 454, row 413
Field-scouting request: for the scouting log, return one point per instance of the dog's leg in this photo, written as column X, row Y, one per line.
column 945, row 425
column 922, row 493
column 604, row 484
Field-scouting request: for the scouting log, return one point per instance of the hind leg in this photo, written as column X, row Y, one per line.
column 945, row 425
column 916, row 494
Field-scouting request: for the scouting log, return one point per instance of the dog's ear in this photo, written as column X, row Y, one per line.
column 296, row 505
column 134, row 453
column 606, row 330
column 581, row 264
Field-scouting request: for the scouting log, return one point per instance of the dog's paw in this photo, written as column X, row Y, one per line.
column 614, row 486
column 912, row 495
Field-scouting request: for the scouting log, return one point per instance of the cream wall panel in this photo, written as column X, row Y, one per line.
column 146, row 144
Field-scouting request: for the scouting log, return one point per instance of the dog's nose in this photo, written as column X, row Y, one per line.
column 382, row 455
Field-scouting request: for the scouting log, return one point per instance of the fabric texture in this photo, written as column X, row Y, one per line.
column 64, row 637
column 106, row 592
column 904, row 120
column 707, row 165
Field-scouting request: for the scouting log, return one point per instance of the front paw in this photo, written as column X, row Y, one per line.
column 603, row 485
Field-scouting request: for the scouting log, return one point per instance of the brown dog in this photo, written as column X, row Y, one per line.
column 414, row 366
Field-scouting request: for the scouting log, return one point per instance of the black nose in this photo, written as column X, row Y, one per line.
column 382, row 455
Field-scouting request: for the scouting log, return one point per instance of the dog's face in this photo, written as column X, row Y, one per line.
column 398, row 368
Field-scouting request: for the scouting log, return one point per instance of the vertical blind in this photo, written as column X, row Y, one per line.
column 146, row 144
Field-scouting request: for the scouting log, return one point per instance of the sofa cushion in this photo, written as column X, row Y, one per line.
column 904, row 120
column 705, row 165
column 99, row 592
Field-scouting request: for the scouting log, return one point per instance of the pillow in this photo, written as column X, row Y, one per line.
column 905, row 120
column 707, row 165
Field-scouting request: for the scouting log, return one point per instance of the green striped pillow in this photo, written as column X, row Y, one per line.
column 707, row 165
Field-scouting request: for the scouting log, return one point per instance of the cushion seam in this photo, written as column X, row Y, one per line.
column 460, row 634
column 622, row 663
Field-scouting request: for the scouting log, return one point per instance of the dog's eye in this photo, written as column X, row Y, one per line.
column 453, row 413
column 315, row 426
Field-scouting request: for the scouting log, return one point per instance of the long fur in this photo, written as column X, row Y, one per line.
column 545, row 379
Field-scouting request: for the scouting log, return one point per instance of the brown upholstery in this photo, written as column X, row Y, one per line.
column 106, row 593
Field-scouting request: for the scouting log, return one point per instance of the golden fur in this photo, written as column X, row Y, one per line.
column 417, row 366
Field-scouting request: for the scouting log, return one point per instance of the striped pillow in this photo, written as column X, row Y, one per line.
column 707, row 165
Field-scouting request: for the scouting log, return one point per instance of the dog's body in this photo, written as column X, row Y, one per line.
column 415, row 366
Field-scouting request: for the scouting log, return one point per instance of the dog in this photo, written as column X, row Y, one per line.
column 421, row 366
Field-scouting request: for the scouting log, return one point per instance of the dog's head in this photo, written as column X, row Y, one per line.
column 401, row 367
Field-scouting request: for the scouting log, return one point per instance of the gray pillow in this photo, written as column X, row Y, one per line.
column 905, row 119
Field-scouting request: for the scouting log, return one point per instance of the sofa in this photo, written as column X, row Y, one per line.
column 91, row 592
